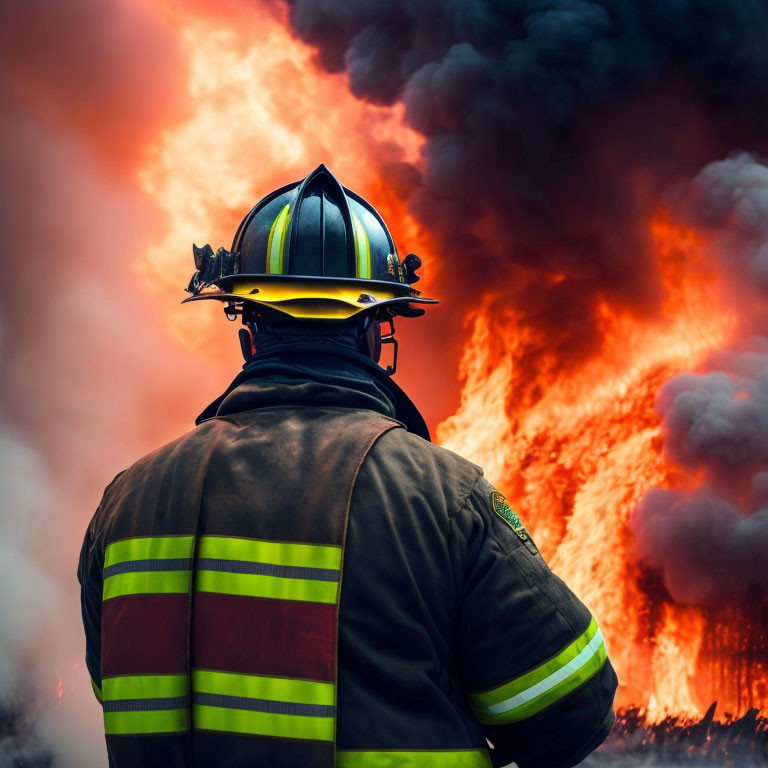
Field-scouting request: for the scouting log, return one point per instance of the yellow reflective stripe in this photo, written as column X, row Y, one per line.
column 177, row 549
column 544, row 700
column 208, row 718
column 256, row 585
column 272, row 552
column 362, row 248
column 261, row 687
column 514, row 687
column 276, row 242
column 97, row 691
column 148, row 548
column 535, row 690
column 146, row 583
column 449, row 758
column 144, row 687
column 158, row 721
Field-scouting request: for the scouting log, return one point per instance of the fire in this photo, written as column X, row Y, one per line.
column 578, row 458
column 60, row 690
column 576, row 450
column 261, row 114
column 676, row 644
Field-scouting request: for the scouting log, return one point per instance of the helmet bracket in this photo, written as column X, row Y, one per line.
column 246, row 345
column 389, row 338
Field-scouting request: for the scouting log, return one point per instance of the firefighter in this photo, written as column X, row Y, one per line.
column 304, row 580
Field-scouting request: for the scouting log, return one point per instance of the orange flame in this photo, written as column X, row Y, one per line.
column 579, row 458
column 261, row 115
column 60, row 690
column 578, row 455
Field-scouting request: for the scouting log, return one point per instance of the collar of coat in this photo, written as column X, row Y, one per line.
column 320, row 375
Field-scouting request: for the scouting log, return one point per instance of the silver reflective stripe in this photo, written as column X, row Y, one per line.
column 134, row 566
column 264, row 705
column 145, row 705
column 267, row 569
column 548, row 683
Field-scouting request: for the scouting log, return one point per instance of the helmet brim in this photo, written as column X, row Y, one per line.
column 315, row 298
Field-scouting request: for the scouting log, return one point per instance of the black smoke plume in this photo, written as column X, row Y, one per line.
column 553, row 130
column 552, row 127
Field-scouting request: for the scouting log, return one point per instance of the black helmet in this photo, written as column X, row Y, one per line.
column 312, row 250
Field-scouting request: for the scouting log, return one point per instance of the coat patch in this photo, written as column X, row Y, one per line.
column 503, row 509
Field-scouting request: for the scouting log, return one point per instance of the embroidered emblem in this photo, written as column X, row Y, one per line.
column 502, row 508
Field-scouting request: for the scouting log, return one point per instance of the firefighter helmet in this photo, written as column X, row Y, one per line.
column 311, row 250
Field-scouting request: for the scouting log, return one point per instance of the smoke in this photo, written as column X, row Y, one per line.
column 88, row 380
column 730, row 198
column 710, row 543
column 705, row 546
column 552, row 127
column 25, row 501
column 716, row 419
column 25, row 484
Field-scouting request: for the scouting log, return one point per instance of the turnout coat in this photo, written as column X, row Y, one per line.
column 303, row 580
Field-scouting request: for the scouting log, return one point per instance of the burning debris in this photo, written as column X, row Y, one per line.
column 728, row 743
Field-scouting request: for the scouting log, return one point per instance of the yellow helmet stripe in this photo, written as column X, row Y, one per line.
column 276, row 242
column 362, row 249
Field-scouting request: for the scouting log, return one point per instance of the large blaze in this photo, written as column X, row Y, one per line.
column 260, row 115
column 578, row 451
column 576, row 448
column 135, row 129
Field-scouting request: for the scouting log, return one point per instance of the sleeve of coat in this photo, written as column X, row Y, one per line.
column 89, row 575
column 534, row 660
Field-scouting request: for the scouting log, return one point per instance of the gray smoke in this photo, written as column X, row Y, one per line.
column 730, row 197
column 712, row 543
column 24, row 482
column 704, row 546
column 26, row 500
column 89, row 381
column 716, row 419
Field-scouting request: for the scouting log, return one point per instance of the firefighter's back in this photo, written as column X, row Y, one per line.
column 252, row 507
column 401, row 681
column 302, row 580
column 298, row 583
